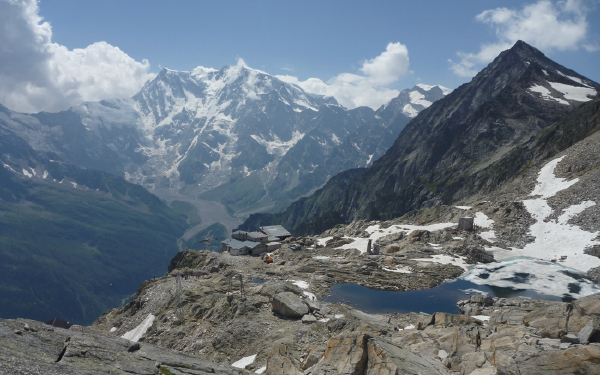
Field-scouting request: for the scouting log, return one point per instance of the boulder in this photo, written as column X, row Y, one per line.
column 289, row 305
column 590, row 332
column 594, row 274
column 307, row 319
column 446, row 319
column 419, row 233
column 570, row 338
column 482, row 300
column 589, row 305
column 424, row 321
column 271, row 289
column 312, row 305
column 551, row 320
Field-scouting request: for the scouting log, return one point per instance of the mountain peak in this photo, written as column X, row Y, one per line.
column 412, row 101
column 422, row 86
column 528, row 52
column 521, row 45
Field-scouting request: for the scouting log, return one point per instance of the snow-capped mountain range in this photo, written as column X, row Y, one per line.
column 225, row 133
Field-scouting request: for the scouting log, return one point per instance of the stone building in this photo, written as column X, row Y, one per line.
column 266, row 239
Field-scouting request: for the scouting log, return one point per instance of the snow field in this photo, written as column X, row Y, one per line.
column 482, row 220
column 542, row 277
column 546, row 95
column 579, row 94
column 556, row 238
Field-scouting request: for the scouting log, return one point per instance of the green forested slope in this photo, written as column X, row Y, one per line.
column 73, row 253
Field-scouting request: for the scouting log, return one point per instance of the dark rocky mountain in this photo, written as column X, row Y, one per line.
column 461, row 145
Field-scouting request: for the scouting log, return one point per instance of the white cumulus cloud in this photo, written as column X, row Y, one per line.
column 37, row 74
column 545, row 25
column 367, row 89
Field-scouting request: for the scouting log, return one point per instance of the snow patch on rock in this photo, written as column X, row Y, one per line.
column 242, row 363
column 556, row 238
column 580, row 94
column 139, row 331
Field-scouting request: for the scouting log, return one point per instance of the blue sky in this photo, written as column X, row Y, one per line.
column 431, row 42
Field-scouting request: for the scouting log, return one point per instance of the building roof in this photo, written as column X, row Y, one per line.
column 236, row 244
column 256, row 235
column 275, row 231
column 252, row 236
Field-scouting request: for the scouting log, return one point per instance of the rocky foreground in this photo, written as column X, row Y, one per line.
column 216, row 313
column 493, row 336
column 275, row 325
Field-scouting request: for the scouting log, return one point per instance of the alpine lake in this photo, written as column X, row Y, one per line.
column 512, row 278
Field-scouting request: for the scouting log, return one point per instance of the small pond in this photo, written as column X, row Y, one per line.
column 258, row 281
column 518, row 277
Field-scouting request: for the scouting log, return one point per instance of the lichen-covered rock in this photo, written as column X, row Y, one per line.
column 313, row 357
column 580, row 360
column 280, row 362
column 345, row 354
column 385, row 358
